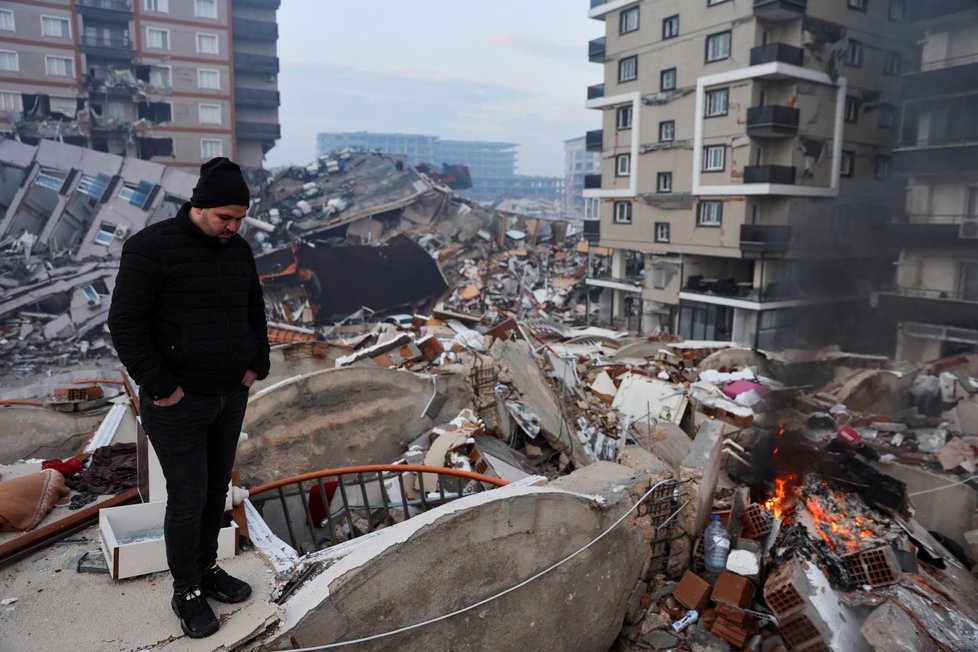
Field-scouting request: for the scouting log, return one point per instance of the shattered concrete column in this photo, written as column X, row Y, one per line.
column 701, row 467
column 618, row 272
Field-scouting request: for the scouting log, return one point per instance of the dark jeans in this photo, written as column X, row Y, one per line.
column 195, row 441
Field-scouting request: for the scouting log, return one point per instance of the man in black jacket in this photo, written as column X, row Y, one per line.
column 188, row 322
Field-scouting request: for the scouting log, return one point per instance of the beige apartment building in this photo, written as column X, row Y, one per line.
column 171, row 81
column 747, row 173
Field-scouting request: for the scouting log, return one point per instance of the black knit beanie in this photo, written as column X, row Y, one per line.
column 220, row 184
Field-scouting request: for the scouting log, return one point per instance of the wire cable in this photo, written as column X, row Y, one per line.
column 430, row 621
column 944, row 486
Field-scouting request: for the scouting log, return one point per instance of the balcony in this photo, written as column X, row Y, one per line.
column 777, row 53
column 259, row 64
column 942, row 77
column 592, row 230
column 260, row 4
column 772, row 121
column 777, row 174
column 596, row 50
column 258, row 130
column 111, row 10
column 936, row 157
column 595, row 92
column 111, row 47
column 594, row 140
column 940, row 307
column 778, row 10
column 764, row 239
column 592, row 181
column 256, row 30
column 255, row 97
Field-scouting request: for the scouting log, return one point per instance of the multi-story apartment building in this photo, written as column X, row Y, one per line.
column 934, row 300
column 173, row 81
column 747, row 169
column 580, row 166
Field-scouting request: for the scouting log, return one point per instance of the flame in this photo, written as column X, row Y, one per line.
column 775, row 504
column 827, row 523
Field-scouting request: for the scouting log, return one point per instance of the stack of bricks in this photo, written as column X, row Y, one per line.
column 733, row 594
column 784, row 593
column 756, row 522
column 875, row 567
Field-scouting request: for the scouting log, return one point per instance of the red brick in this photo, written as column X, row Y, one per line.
column 733, row 589
column 730, row 632
column 732, row 614
column 693, row 592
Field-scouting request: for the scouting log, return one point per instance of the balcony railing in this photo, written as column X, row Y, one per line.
column 112, row 10
column 779, row 174
column 969, row 296
column 596, row 91
column 257, row 30
column 777, row 52
column 952, row 219
column 776, row 10
column 594, row 140
column 937, row 157
column 772, row 121
column 592, row 181
column 258, row 130
column 255, row 97
column 113, row 47
column 765, row 238
column 261, row 4
column 260, row 64
column 596, row 50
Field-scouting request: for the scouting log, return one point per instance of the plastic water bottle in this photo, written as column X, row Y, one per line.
column 716, row 543
column 688, row 619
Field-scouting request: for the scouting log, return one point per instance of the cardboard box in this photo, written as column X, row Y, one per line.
column 132, row 539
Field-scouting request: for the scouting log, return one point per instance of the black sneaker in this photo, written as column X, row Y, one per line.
column 217, row 584
column 196, row 616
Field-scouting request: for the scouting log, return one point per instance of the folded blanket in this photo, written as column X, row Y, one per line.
column 25, row 501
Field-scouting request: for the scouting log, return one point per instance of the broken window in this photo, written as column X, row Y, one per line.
column 716, row 102
column 667, row 131
column 139, row 194
column 160, row 77
column 664, row 182
column 628, row 20
column 670, row 27
column 628, row 69
column 51, row 179
column 8, row 61
column 623, row 165
column 105, row 234
column 155, row 111
column 714, row 158
column 94, row 187
column 623, row 212
column 661, row 234
column 623, row 117
column 667, row 79
column 710, row 213
column 718, row 46
column 55, row 27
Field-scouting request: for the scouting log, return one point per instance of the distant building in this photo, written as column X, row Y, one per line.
column 578, row 164
column 152, row 79
column 491, row 165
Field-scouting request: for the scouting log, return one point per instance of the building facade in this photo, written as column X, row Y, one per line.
column 580, row 166
column 172, row 81
column 746, row 165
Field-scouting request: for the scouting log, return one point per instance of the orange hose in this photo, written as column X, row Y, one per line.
column 372, row 468
column 16, row 402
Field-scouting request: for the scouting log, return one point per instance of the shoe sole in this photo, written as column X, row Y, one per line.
column 224, row 597
column 186, row 630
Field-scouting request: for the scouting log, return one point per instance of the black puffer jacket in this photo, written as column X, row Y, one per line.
column 188, row 310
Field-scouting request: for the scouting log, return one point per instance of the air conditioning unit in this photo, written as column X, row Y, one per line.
column 969, row 229
column 121, row 232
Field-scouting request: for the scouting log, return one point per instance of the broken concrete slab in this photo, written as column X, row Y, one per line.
column 889, row 629
column 667, row 441
column 641, row 398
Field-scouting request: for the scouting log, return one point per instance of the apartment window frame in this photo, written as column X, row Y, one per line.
column 851, row 110
column 623, row 117
column 713, row 3
column 892, row 63
column 208, row 107
column 847, row 163
column 5, row 16
column 886, row 116
column 663, row 182
column 212, row 14
column 67, row 62
column 209, row 36
column 661, row 232
column 157, row 6
column 210, row 142
column 165, row 72
column 718, row 52
column 628, row 20
column 623, row 212
column 16, row 102
column 64, row 30
column 626, row 66
column 714, row 158
column 854, row 53
column 670, row 27
column 163, row 35
column 717, row 102
column 14, row 57
column 667, row 79
column 858, row 5
column 592, row 209
column 667, row 131
column 882, row 167
column 896, row 11
column 709, row 213
column 200, row 79
column 623, row 165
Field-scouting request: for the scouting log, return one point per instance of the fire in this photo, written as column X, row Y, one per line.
column 775, row 504
column 830, row 522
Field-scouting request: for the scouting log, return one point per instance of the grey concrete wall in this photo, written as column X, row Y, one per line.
column 42, row 433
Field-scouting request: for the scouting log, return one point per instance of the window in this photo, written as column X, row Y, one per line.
column 209, row 148
column 663, row 182
column 8, row 61
column 623, row 117
column 210, row 114
column 897, row 10
column 94, row 187
column 51, row 179
column 157, row 6
column 628, row 69
column 207, row 43
column 10, row 101
column 971, row 209
column 157, row 39
column 710, row 3
column 717, row 46
column 886, row 118
column 59, row 66
column 881, row 167
column 628, row 20
column 662, row 231
column 208, row 79
column 205, row 8
column 105, row 236
column 847, row 164
column 714, row 158
column 857, row 4
column 852, row 109
column 623, row 165
column 623, row 212
column 7, row 20
column 161, row 77
column 670, row 27
column 667, row 131
column 854, row 54
column 716, row 102
column 592, row 208
column 892, row 63
column 55, row 27
column 667, row 79
column 710, row 213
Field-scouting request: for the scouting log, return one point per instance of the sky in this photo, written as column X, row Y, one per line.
column 507, row 70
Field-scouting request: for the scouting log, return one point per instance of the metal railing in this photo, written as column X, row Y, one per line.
column 346, row 502
column 969, row 296
column 949, row 219
column 111, row 5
